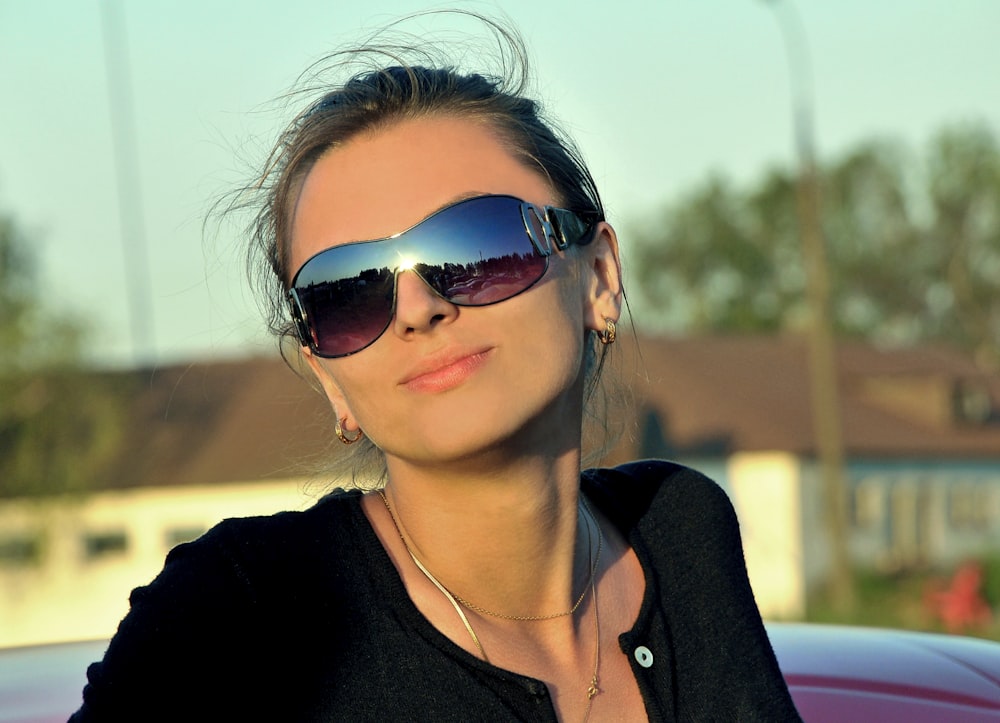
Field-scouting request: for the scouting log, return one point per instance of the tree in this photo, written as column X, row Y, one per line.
column 914, row 248
column 58, row 423
column 965, row 227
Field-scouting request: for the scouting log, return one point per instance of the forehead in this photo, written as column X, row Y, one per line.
column 382, row 182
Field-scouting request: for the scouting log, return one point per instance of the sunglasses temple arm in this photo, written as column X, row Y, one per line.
column 298, row 318
column 570, row 228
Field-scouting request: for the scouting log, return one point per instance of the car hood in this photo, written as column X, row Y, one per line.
column 848, row 673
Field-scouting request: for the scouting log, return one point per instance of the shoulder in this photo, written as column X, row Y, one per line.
column 333, row 518
column 684, row 530
column 242, row 562
column 266, row 559
column 222, row 610
column 673, row 513
column 657, row 492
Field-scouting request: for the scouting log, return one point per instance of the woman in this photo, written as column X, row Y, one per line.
column 443, row 258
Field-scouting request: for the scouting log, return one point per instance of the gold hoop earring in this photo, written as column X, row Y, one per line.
column 610, row 332
column 339, row 431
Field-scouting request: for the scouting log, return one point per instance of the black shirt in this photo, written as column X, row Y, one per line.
column 301, row 616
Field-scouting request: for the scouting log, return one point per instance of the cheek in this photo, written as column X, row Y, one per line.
column 556, row 321
column 570, row 292
column 360, row 386
column 349, row 381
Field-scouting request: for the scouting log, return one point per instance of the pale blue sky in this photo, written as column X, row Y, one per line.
column 657, row 94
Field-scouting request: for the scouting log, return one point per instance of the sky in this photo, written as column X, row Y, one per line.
column 658, row 94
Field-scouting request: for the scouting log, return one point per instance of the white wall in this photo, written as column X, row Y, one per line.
column 767, row 494
column 76, row 587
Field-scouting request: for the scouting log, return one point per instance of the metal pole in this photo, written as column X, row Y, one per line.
column 822, row 349
column 138, row 280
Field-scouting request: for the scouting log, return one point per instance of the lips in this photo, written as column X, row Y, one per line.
column 444, row 371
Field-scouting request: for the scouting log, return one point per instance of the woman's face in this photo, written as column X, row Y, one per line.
column 445, row 382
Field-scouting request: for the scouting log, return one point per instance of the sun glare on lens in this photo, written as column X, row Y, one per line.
column 406, row 263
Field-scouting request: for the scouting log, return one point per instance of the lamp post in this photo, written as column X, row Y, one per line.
column 822, row 353
column 130, row 205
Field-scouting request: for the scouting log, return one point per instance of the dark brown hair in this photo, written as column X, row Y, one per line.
column 399, row 82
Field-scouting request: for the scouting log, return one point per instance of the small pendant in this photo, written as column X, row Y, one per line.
column 593, row 689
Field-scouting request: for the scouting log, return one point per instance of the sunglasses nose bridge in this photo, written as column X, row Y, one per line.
column 417, row 304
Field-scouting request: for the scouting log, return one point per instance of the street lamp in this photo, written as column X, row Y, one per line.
column 822, row 352
column 130, row 204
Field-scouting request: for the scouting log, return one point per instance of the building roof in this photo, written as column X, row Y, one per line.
column 212, row 422
column 726, row 394
column 206, row 423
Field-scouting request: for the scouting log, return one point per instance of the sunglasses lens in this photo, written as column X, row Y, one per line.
column 477, row 252
column 346, row 298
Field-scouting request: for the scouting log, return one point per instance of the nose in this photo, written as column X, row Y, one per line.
column 418, row 308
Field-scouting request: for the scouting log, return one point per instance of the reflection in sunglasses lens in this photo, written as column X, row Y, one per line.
column 473, row 253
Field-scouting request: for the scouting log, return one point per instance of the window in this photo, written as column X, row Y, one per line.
column 98, row 545
column 20, row 549
column 869, row 503
column 970, row 505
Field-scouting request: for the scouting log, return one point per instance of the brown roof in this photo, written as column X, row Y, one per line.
column 253, row 420
column 205, row 423
column 728, row 394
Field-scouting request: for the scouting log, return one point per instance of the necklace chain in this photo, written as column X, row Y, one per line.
column 593, row 688
column 595, row 561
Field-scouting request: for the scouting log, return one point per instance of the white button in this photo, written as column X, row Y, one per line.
column 644, row 657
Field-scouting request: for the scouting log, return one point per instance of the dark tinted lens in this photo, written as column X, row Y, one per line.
column 474, row 253
column 477, row 252
column 346, row 297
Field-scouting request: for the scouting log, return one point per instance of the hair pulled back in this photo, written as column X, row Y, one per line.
column 388, row 83
column 392, row 90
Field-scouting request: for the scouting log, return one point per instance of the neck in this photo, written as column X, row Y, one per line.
column 510, row 541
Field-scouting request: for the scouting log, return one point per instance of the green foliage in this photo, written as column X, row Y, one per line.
column 991, row 580
column 58, row 424
column 58, row 429
column 711, row 260
column 15, row 309
column 965, row 194
column 913, row 248
column 899, row 600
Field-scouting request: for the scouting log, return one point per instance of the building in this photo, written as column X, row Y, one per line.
column 204, row 442
column 921, row 431
column 215, row 440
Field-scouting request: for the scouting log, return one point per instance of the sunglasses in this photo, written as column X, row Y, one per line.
column 476, row 252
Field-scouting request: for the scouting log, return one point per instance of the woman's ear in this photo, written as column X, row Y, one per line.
column 330, row 388
column 603, row 286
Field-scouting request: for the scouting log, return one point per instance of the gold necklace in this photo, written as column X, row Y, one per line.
column 427, row 574
column 593, row 689
column 595, row 561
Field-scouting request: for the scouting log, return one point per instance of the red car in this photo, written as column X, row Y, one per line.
column 835, row 673
column 838, row 673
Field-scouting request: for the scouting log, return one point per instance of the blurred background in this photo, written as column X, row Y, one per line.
column 808, row 197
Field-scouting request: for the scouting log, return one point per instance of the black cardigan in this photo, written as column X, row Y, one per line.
column 301, row 616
